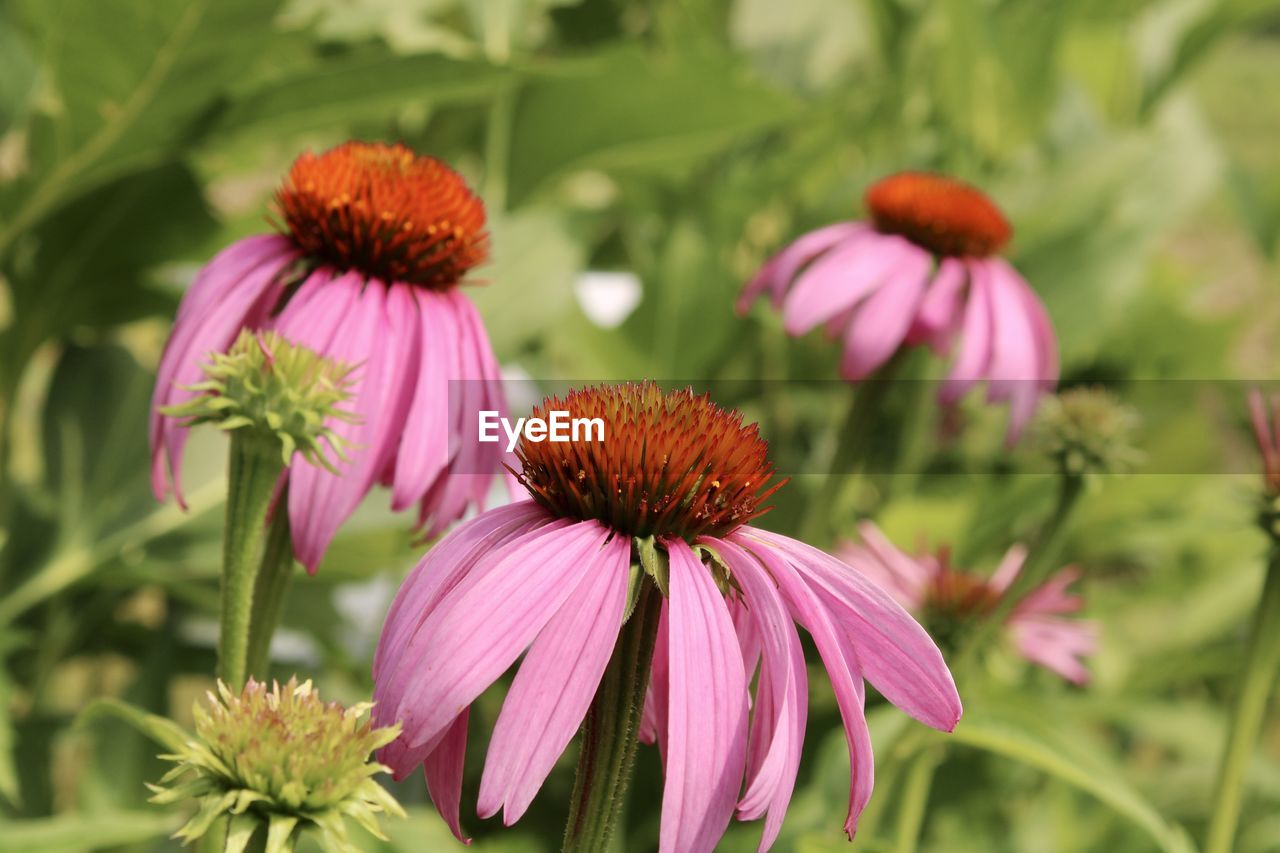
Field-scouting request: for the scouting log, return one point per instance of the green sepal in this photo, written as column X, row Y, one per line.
column 654, row 561
column 635, row 582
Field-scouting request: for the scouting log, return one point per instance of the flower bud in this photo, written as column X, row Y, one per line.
column 264, row 382
column 278, row 761
column 1088, row 431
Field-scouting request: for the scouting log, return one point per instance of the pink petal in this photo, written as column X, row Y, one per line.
column 437, row 573
column 898, row 573
column 380, row 333
column 555, row 685
column 881, row 322
column 653, row 717
column 779, row 270
column 487, row 621
column 1009, row 569
column 1041, row 325
column 782, row 697
column 1057, row 644
column 842, row 278
column 235, row 290
column 424, row 451
column 972, row 362
column 837, row 656
column 472, row 471
column 443, row 769
column 1014, row 371
column 941, row 309
column 707, row 711
column 893, row 650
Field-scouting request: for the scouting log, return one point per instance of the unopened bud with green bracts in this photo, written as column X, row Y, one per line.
column 1088, row 431
column 278, row 761
column 266, row 383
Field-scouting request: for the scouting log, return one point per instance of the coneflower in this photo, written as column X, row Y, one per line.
column 950, row 600
column 924, row 271
column 373, row 243
column 634, row 579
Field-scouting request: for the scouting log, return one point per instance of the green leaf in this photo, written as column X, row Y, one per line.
column 628, row 110
column 17, row 74
column 131, row 83
column 163, row 731
column 88, row 264
column 527, row 288
column 75, row 833
column 1021, row 731
column 359, row 86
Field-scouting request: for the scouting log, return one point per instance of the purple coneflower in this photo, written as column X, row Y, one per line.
column 648, row 527
column 924, row 270
column 947, row 598
column 373, row 243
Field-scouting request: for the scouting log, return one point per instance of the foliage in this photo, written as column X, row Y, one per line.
column 1131, row 144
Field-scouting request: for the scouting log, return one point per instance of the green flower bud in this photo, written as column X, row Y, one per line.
column 264, row 382
column 279, row 761
column 1088, row 431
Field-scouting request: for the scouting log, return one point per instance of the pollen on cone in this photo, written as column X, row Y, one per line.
column 385, row 211
column 944, row 215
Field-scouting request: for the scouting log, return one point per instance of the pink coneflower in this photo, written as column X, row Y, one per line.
column 925, row 270
column 373, row 243
column 673, row 485
column 948, row 599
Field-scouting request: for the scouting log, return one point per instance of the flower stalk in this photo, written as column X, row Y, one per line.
column 274, row 575
column 253, row 471
column 1261, row 662
column 609, row 742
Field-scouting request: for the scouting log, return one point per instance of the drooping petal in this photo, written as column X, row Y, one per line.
column 896, row 654
column 1014, row 371
column 488, row 620
column 443, row 769
column 554, row 687
column 473, row 468
column 904, row 578
column 782, row 697
column 779, row 270
column 842, row 278
column 838, row 657
column 1009, row 568
column 439, row 571
column 1057, row 644
column 942, row 308
column 971, row 364
column 881, row 322
column 381, row 334
column 707, row 710
column 653, row 717
column 424, row 451
column 235, row 290
column 1042, row 327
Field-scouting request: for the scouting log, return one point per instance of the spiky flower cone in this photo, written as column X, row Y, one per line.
column 279, row 761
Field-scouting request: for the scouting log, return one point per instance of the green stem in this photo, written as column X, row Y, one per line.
column 1246, row 719
column 827, row 503
column 253, row 470
column 274, row 575
column 915, row 798
column 609, row 732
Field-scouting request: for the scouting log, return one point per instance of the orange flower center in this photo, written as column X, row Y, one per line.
column 669, row 464
column 386, row 212
column 943, row 215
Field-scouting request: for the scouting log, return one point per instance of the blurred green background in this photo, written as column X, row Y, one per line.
column 1131, row 142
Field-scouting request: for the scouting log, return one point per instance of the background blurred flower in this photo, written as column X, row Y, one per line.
column 1088, row 431
column 950, row 600
column 924, row 271
column 374, row 242
column 670, row 489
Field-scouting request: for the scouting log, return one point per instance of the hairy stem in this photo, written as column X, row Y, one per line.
column 609, row 732
column 253, row 470
column 274, row 574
